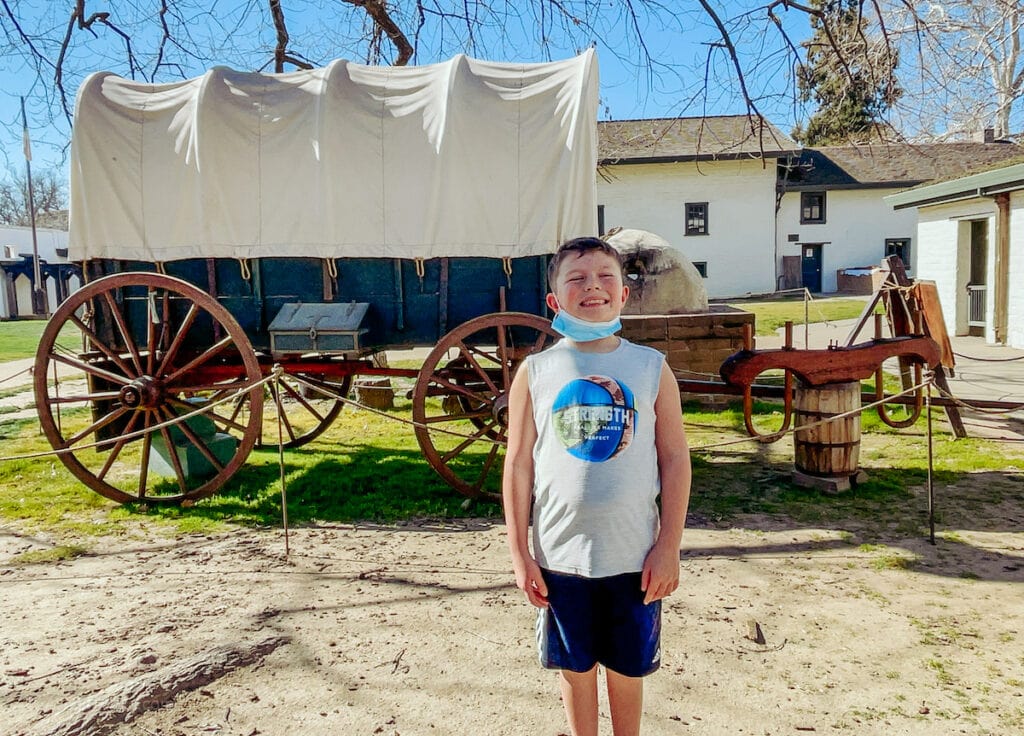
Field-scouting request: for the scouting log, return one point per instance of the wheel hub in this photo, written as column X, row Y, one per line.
column 142, row 393
column 499, row 410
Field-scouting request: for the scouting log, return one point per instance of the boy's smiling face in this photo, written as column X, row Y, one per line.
column 589, row 286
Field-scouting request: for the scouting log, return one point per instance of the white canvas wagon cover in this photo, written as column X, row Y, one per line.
column 461, row 158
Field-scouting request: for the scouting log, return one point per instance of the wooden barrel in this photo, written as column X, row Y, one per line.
column 831, row 449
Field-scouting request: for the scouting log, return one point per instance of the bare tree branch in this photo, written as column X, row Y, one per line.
column 281, row 55
column 382, row 20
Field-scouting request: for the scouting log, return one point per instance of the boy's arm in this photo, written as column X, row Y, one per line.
column 517, row 489
column 661, row 568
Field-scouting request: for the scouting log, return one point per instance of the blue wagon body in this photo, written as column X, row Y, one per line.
column 410, row 303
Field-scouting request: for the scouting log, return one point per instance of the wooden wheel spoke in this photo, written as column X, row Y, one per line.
column 237, row 406
column 212, row 413
column 94, row 427
column 196, row 441
column 123, row 329
column 467, row 353
column 175, row 460
column 282, row 415
column 91, row 369
column 206, row 355
column 486, row 470
column 456, row 388
column 458, row 449
column 298, row 397
column 95, row 340
column 481, row 414
column 121, row 442
column 85, row 398
column 150, row 331
column 477, row 350
column 147, row 448
column 172, row 350
column 538, row 344
column 503, row 355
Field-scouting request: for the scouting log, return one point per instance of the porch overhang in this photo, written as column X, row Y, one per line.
column 984, row 184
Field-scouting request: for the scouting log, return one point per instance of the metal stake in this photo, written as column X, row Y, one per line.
column 280, row 456
column 931, row 486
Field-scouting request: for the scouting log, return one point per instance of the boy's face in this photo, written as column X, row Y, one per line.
column 589, row 286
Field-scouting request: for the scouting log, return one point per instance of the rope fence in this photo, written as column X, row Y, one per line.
column 277, row 374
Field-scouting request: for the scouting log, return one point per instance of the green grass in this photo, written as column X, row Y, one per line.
column 369, row 468
column 54, row 554
column 770, row 316
column 20, row 338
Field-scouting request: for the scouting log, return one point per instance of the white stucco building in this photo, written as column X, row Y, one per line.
column 17, row 272
column 970, row 232
column 755, row 212
column 832, row 213
column 706, row 185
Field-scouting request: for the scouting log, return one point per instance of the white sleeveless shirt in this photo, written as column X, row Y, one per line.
column 596, row 476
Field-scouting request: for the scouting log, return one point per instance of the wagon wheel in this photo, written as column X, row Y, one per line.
column 309, row 404
column 461, row 389
column 155, row 347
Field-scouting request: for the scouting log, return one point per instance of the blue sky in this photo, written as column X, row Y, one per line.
column 679, row 43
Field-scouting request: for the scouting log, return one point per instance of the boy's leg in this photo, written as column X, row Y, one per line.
column 626, row 700
column 579, row 695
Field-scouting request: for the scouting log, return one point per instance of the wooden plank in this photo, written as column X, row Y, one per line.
column 868, row 310
column 927, row 295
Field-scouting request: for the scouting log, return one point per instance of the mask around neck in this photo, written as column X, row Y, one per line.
column 581, row 330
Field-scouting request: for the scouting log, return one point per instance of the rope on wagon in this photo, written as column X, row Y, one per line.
column 147, row 430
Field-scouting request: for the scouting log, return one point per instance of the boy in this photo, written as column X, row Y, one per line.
column 595, row 433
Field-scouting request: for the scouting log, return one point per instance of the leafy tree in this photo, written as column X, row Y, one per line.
column 849, row 73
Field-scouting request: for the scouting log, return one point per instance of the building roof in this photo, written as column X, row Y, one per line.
column 710, row 138
column 888, row 165
column 983, row 184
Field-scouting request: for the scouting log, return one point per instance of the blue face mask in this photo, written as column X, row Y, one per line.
column 580, row 330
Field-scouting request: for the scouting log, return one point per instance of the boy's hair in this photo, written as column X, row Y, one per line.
column 577, row 247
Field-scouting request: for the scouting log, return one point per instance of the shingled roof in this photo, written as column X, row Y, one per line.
column 884, row 166
column 664, row 140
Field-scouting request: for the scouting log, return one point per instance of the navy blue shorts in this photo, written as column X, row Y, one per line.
column 599, row 621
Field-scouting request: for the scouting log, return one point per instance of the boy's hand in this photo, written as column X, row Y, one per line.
column 530, row 580
column 660, row 576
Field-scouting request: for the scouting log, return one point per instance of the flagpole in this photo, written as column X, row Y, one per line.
column 38, row 294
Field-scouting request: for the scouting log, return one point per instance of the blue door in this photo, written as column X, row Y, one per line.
column 810, row 266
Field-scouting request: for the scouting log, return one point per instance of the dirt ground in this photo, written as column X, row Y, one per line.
column 418, row 629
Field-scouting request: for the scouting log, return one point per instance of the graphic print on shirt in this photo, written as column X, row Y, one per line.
column 593, row 418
